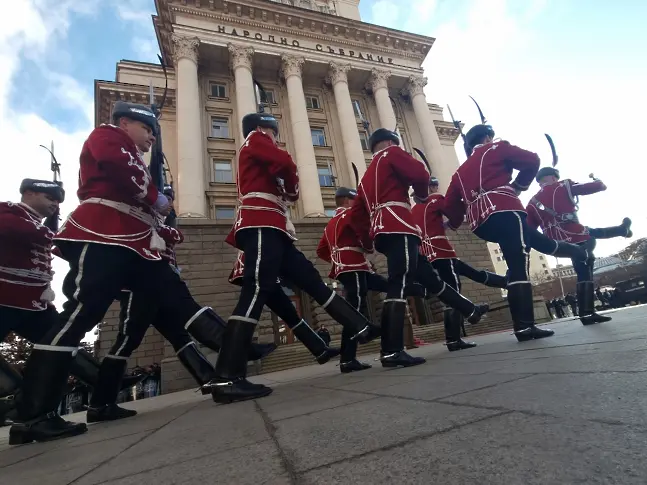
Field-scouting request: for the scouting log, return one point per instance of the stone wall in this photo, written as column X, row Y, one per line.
column 151, row 351
column 206, row 262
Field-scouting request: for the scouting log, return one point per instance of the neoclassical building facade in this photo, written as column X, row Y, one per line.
column 330, row 80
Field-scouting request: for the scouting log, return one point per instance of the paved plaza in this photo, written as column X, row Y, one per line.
column 571, row 409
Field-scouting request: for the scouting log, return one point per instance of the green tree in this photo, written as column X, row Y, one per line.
column 15, row 349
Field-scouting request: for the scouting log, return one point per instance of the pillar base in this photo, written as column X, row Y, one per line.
column 315, row 214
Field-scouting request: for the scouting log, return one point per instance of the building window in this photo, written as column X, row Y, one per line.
column 543, row 265
column 363, row 139
column 225, row 212
column 329, row 212
column 326, row 176
column 312, row 102
column 219, row 127
column 498, row 258
column 222, row 172
column 545, row 271
column 218, row 90
column 268, row 98
column 318, row 137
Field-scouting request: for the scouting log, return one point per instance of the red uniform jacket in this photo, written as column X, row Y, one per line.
column 171, row 237
column 481, row 186
column 236, row 274
column 116, row 194
column 339, row 246
column 554, row 209
column 382, row 205
column 25, row 258
column 267, row 178
column 429, row 217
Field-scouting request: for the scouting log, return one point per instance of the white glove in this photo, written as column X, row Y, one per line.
column 161, row 203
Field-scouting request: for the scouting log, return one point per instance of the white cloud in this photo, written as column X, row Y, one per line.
column 33, row 28
column 138, row 13
column 484, row 53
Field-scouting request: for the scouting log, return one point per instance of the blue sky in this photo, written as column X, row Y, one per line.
column 573, row 68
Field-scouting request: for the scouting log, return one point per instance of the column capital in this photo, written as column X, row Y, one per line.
column 378, row 79
column 416, row 85
column 185, row 47
column 240, row 56
column 338, row 73
column 291, row 65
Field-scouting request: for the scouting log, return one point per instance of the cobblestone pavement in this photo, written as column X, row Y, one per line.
column 565, row 410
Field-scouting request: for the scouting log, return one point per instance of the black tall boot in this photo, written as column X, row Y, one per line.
column 623, row 230
column 314, row 343
column 585, row 299
column 207, row 327
column 360, row 328
column 348, row 360
column 455, row 300
column 571, row 251
column 453, row 322
column 44, row 382
column 86, row 368
column 103, row 403
column 198, row 366
column 230, row 383
column 393, row 354
column 494, row 280
column 10, row 382
column 523, row 313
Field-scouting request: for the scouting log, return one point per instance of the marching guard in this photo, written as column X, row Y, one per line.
column 428, row 215
column 381, row 216
column 26, row 273
column 282, row 306
column 267, row 181
column 483, row 188
column 111, row 242
column 340, row 247
column 554, row 209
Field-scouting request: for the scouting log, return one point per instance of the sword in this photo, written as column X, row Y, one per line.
column 552, row 149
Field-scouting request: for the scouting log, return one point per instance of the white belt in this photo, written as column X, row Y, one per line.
column 156, row 244
column 135, row 212
column 283, row 207
column 376, row 214
column 392, row 204
column 348, row 248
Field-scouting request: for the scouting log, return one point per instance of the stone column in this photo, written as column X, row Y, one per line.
column 378, row 85
column 338, row 77
column 310, row 190
column 241, row 63
column 428, row 133
column 190, row 135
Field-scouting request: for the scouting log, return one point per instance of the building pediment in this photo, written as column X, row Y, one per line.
column 266, row 22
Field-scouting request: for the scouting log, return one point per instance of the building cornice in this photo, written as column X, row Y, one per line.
column 107, row 92
column 293, row 21
column 446, row 130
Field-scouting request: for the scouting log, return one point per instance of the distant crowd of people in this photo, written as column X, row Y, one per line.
column 567, row 306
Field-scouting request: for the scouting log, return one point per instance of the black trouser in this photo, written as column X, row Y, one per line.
column 510, row 231
column 97, row 275
column 27, row 324
column 356, row 287
column 402, row 257
column 137, row 314
column 584, row 269
column 270, row 253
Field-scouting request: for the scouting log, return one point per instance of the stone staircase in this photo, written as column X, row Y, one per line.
column 296, row 355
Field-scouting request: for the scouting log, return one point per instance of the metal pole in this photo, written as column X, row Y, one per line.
column 559, row 275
